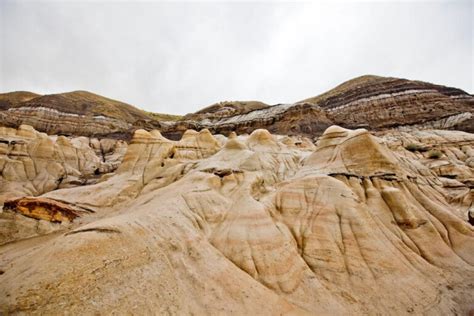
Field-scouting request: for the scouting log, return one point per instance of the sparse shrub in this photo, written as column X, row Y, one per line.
column 415, row 147
column 434, row 154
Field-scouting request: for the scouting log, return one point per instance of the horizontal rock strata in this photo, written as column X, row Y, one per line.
column 372, row 102
column 77, row 113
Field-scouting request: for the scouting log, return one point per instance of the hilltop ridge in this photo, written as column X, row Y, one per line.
column 75, row 113
column 373, row 102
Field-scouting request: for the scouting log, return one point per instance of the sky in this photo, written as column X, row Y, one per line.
column 177, row 57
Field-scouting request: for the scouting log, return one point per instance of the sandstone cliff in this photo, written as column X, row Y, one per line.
column 255, row 224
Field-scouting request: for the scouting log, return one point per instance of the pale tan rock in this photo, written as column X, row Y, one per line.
column 32, row 163
column 196, row 145
column 451, row 173
column 342, row 151
column 254, row 227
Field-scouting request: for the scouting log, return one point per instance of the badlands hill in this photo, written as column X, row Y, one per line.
column 8, row 100
column 79, row 113
column 372, row 102
column 262, row 221
column 379, row 102
column 226, row 108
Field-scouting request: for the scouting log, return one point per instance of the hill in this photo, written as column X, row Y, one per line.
column 9, row 99
column 248, row 224
column 372, row 102
column 75, row 113
column 383, row 102
column 226, row 108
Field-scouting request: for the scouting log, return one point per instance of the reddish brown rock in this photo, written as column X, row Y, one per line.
column 42, row 208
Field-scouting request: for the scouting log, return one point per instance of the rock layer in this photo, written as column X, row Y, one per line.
column 294, row 119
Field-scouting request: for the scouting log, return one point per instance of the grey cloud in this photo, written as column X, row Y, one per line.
column 178, row 57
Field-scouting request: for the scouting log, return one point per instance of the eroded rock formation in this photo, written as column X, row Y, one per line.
column 258, row 224
column 226, row 108
column 295, row 119
column 33, row 163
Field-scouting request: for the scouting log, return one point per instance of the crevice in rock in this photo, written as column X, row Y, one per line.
column 96, row 229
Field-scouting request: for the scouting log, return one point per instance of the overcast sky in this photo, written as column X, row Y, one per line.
column 179, row 57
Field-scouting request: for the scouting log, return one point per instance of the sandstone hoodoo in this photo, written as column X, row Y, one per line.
column 252, row 224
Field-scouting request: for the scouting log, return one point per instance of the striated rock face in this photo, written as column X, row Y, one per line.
column 378, row 103
column 226, row 108
column 33, row 163
column 78, row 113
column 372, row 102
column 257, row 224
column 294, row 119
